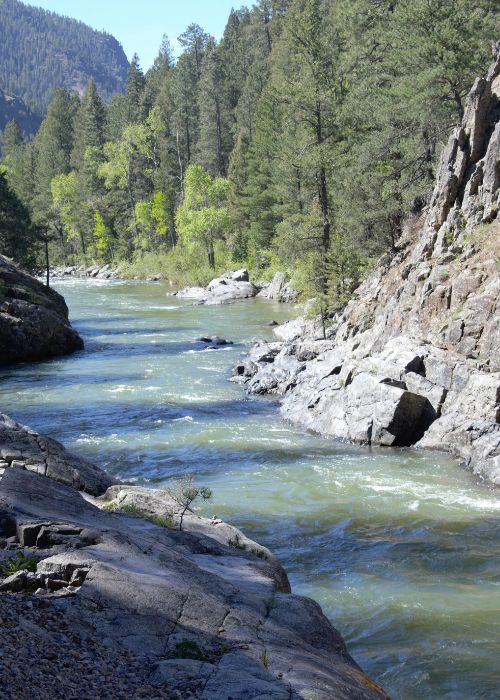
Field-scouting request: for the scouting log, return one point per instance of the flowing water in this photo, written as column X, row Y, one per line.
column 401, row 549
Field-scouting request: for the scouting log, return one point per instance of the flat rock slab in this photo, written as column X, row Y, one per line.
column 209, row 617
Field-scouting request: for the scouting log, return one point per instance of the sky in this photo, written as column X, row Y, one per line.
column 139, row 25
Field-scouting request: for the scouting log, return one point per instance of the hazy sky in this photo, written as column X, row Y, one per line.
column 140, row 25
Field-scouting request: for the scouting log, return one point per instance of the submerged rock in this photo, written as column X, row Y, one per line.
column 34, row 321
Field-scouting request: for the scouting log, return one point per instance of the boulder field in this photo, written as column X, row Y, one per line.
column 34, row 321
column 106, row 596
column 414, row 358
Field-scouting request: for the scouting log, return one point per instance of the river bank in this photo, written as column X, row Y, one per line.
column 413, row 357
column 399, row 547
column 203, row 611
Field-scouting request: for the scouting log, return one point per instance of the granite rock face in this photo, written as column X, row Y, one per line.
column 414, row 357
column 279, row 290
column 23, row 448
column 34, row 321
column 210, row 621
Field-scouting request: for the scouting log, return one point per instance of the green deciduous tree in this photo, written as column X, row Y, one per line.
column 203, row 218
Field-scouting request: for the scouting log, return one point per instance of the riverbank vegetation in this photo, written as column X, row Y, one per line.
column 299, row 142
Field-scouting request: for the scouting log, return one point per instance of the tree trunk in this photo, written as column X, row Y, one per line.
column 82, row 241
column 211, row 254
column 47, row 265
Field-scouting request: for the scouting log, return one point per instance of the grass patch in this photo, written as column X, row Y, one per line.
column 166, row 520
column 264, row 657
column 236, row 542
column 19, row 563
column 188, row 649
column 259, row 553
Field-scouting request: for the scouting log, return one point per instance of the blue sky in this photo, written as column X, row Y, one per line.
column 140, row 25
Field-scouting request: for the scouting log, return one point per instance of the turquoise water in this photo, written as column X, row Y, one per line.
column 401, row 549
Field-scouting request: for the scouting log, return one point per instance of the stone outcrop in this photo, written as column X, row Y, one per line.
column 200, row 616
column 230, row 287
column 23, row 448
column 414, row 357
column 279, row 290
column 33, row 318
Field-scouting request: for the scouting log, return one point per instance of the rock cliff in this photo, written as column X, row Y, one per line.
column 33, row 318
column 202, row 613
column 414, row 357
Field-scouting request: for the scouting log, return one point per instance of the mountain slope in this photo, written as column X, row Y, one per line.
column 40, row 51
column 14, row 108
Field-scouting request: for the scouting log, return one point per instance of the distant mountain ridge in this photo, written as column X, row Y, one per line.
column 41, row 51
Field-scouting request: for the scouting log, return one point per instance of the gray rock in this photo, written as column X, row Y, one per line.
column 33, row 318
column 171, row 595
column 413, row 357
column 14, row 583
column 39, row 453
column 279, row 290
column 232, row 286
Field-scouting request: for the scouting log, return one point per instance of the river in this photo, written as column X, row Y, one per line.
column 401, row 549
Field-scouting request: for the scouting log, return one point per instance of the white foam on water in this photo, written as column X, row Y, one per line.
column 188, row 419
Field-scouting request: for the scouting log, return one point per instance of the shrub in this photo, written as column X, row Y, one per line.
column 20, row 562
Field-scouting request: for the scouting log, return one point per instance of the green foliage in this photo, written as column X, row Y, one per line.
column 299, row 142
column 18, row 237
column 166, row 520
column 184, row 492
column 203, row 217
column 264, row 657
column 20, row 562
column 188, row 649
column 236, row 542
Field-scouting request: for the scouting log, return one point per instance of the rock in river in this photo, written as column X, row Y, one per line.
column 33, row 318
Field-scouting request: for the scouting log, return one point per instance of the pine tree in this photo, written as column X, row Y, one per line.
column 212, row 148
column 53, row 146
column 134, row 93
column 88, row 126
column 17, row 235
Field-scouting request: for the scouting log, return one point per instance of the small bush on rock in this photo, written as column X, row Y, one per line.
column 185, row 493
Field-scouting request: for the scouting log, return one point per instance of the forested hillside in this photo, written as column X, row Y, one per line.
column 41, row 51
column 12, row 107
column 300, row 141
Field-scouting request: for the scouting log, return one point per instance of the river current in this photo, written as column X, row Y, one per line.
column 401, row 549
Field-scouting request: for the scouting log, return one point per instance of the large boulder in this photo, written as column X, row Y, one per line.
column 232, row 286
column 33, row 318
column 279, row 290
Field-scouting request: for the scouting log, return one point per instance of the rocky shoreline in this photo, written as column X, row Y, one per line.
column 111, row 591
column 413, row 358
column 99, row 272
